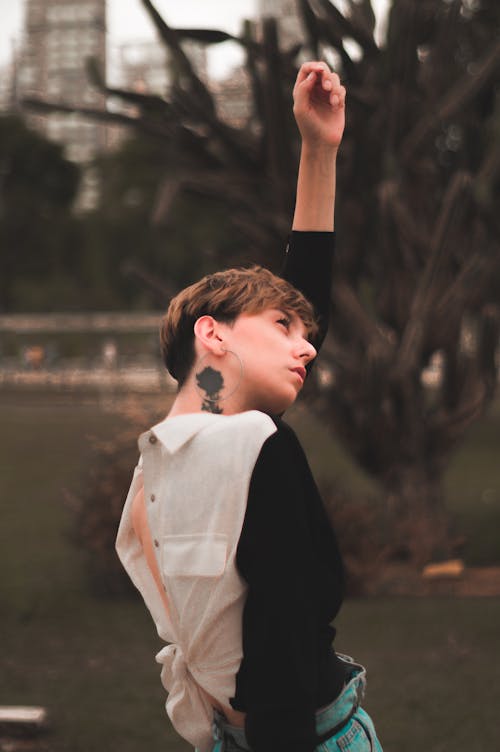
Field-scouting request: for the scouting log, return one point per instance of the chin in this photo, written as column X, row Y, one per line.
column 280, row 404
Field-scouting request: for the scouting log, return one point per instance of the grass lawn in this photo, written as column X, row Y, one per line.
column 434, row 665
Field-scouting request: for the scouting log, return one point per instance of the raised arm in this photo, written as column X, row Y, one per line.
column 319, row 109
column 319, row 106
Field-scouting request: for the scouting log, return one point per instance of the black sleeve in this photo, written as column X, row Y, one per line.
column 308, row 267
column 277, row 679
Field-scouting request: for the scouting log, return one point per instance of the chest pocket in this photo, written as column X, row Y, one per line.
column 194, row 555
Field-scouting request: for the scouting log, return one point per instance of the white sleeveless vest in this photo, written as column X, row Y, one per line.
column 196, row 471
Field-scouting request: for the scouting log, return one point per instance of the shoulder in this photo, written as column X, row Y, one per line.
column 282, row 443
column 232, row 443
column 276, row 518
column 247, row 427
column 250, row 420
column 281, row 463
column 271, row 442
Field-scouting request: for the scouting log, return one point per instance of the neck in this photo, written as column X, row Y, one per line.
column 191, row 399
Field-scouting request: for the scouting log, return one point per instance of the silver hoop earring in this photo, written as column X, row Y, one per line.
column 240, row 364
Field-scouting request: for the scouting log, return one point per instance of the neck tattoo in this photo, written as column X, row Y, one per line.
column 211, row 382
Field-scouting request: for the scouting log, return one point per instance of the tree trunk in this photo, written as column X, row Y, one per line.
column 417, row 520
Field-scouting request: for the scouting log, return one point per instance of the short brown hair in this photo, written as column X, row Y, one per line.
column 225, row 295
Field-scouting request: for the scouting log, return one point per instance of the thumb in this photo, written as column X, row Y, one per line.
column 303, row 88
column 310, row 79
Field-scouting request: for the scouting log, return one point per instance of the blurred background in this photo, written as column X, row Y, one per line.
column 143, row 145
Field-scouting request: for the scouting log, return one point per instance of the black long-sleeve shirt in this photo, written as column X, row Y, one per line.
column 288, row 555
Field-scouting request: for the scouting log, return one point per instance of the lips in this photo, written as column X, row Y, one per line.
column 301, row 371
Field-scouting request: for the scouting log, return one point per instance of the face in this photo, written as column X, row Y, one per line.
column 274, row 351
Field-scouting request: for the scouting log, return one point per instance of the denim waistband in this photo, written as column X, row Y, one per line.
column 331, row 717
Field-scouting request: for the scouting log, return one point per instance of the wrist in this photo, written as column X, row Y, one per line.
column 319, row 149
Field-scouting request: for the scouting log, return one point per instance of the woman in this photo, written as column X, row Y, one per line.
column 223, row 530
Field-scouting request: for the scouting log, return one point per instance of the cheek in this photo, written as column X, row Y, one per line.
column 268, row 355
column 250, row 345
column 260, row 350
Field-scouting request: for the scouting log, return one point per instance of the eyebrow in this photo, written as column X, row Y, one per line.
column 294, row 318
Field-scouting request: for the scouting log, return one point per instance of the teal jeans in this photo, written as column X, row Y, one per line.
column 343, row 726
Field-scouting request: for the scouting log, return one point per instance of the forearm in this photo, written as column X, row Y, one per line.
column 308, row 267
column 315, row 203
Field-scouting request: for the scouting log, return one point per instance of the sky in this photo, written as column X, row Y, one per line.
column 128, row 21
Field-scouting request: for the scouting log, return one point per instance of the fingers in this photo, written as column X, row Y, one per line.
column 311, row 67
column 318, row 74
column 337, row 98
column 332, row 86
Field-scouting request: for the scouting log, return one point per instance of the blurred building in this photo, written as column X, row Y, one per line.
column 233, row 94
column 137, row 66
column 233, row 97
column 145, row 67
column 287, row 15
column 59, row 36
column 142, row 66
column 7, row 86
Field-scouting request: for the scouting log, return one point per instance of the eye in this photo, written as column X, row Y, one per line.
column 285, row 321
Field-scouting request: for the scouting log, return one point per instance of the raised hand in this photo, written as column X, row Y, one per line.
column 319, row 105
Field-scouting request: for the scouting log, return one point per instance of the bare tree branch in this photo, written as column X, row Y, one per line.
column 350, row 27
column 413, row 337
column 172, row 41
column 457, row 97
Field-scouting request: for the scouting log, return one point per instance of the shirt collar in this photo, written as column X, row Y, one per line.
column 176, row 431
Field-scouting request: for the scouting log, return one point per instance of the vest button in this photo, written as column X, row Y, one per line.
column 152, row 439
column 152, row 497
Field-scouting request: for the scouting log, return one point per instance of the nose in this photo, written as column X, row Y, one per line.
column 306, row 351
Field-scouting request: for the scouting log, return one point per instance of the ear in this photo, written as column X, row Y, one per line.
column 208, row 333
